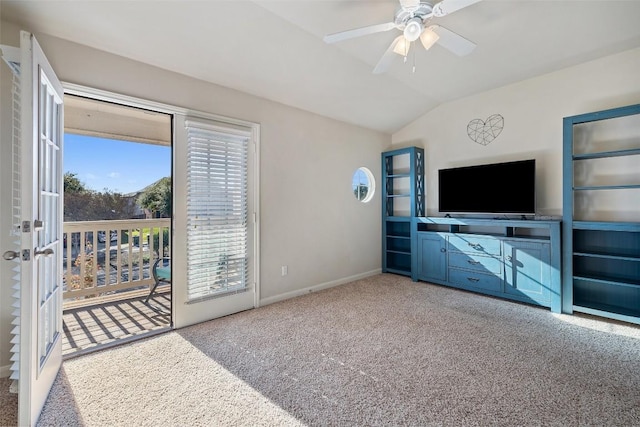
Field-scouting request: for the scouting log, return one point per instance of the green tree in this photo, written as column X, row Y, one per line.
column 157, row 198
column 72, row 183
column 83, row 204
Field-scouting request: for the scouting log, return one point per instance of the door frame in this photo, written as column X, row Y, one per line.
column 178, row 223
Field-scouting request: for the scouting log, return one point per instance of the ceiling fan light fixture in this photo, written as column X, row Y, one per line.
column 413, row 29
column 402, row 47
column 413, row 19
column 428, row 38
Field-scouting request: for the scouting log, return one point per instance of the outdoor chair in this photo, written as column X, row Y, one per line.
column 161, row 272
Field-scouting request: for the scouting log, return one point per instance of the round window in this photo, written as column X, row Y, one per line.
column 363, row 184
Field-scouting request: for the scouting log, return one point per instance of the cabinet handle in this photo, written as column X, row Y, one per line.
column 443, row 250
column 472, row 262
column 477, row 246
column 473, row 279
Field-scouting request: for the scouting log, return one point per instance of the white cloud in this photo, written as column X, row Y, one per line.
column 114, row 175
column 91, row 176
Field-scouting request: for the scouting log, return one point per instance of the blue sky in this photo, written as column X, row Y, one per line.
column 120, row 166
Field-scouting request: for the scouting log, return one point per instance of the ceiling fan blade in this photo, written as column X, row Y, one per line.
column 349, row 34
column 446, row 7
column 406, row 4
column 388, row 57
column 453, row 41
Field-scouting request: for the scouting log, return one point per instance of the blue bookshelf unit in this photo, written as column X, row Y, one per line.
column 403, row 198
column 601, row 214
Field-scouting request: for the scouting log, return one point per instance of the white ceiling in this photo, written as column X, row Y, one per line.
column 274, row 49
column 84, row 116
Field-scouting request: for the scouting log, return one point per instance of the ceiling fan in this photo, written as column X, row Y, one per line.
column 413, row 19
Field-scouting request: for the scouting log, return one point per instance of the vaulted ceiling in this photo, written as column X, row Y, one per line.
column 274, row 49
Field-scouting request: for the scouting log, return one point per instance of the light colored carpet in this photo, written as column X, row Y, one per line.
column 8, row 404
column 380, row 351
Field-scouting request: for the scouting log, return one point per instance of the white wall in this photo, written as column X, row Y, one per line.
column 310, row 220
column 5, row 211
column 533, row 111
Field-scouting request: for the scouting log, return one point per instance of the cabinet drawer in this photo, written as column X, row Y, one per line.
column 474, row 244
column 489, row 282
column 475, row 262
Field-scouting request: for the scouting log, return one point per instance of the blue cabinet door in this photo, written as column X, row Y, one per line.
column 432, row 256
column 527, row 270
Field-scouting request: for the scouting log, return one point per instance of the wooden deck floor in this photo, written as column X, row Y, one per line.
column 98, row 326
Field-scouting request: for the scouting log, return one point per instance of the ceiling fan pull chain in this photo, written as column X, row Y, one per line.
column 406, row 53
column 414, row 61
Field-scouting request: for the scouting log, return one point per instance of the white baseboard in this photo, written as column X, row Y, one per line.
column 5, row 371
column 319, row 287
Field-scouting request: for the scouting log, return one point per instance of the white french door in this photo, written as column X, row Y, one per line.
column 215, row 249
column 42, row 130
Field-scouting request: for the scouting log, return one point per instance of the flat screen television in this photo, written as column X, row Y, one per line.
column 504, row 188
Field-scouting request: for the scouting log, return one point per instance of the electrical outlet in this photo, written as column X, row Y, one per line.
column 285, row 270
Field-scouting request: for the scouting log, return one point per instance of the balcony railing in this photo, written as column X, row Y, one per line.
column 111, row 259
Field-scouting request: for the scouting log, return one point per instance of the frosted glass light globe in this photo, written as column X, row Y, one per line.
column 413, row 29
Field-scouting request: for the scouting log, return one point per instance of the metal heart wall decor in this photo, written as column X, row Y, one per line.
column 483, row 132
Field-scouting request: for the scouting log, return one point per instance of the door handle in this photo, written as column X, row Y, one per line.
column 46, row 252
column 9, row 255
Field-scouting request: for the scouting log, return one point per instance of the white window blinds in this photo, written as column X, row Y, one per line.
column 216, row 210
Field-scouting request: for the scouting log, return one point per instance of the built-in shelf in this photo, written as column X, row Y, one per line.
column 398, row 218
column 607, row 281
column 606, row 187
column 515, row 228
column 399, row 252
column 607, row 256
column 604, row 154
column 603, row 225
column 601, row 259
column 402, row 199
column 605, row 310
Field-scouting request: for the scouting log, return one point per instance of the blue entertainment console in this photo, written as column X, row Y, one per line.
column 513, row 259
